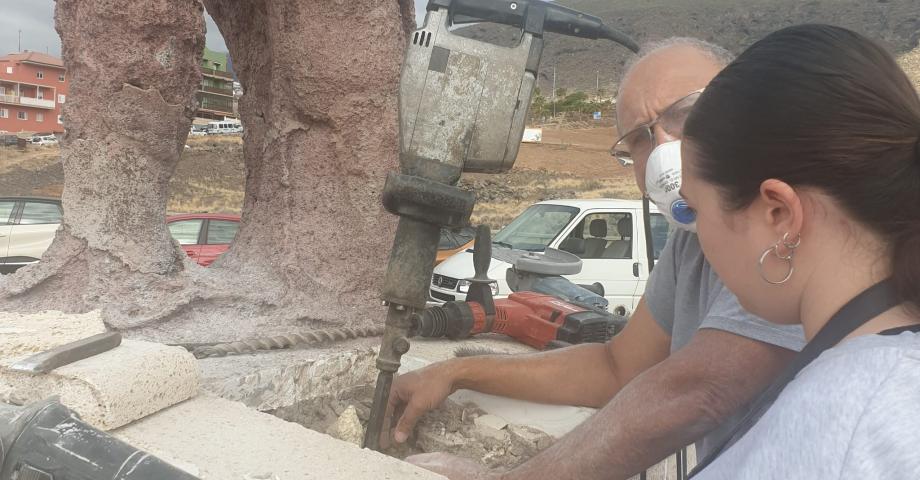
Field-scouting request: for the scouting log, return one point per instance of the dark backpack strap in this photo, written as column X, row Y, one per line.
column 869, row 304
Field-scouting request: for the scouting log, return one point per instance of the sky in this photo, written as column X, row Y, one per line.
column 35, row 18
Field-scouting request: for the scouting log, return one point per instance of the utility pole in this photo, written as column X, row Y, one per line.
column 20, row 40
column 554, row 91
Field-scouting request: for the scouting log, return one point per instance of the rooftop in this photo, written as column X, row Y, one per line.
column 33, row 57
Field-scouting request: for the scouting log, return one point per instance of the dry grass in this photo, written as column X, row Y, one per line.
column 910, row 62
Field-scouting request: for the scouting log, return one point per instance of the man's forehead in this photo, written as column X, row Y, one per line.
column 660, row 79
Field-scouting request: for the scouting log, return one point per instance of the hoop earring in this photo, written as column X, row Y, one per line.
column 791, row 246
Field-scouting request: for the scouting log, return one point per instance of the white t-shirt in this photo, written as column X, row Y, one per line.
column 850, row 414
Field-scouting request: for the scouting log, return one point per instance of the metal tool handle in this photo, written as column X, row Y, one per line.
column 557, row 19
column 68, row 353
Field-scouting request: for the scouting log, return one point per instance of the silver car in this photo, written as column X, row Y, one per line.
column 27, row 227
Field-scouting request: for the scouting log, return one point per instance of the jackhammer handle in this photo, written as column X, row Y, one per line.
column 558, row 18
column 482, row 252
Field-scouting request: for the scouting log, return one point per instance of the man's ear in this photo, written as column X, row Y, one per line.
column 782, row 208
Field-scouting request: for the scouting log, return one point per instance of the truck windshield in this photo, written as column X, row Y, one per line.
column 534, row 229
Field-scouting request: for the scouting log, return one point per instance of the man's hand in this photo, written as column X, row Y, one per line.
column 452, row 467
column 417, row 392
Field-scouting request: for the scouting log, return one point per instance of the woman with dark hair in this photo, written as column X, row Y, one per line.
column 802, row 162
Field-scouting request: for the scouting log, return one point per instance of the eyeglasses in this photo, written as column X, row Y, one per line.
column 640, row 141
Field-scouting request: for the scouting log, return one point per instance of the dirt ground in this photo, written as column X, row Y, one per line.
column 570, row 163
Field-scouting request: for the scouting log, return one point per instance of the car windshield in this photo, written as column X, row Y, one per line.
column 534, row 229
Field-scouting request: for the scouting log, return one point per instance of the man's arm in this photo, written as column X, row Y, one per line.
column 665, row 408
column 587, row 375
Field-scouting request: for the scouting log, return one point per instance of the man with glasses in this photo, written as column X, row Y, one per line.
column 688, row 359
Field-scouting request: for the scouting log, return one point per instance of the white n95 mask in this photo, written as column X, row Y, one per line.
column 662, row 185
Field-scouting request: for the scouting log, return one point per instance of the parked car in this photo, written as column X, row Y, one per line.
column 9, row 140
column 608, row 235
column 203, row 236
column 27, row 227
column 44, row 140
column 453, row 241
column 198, row 131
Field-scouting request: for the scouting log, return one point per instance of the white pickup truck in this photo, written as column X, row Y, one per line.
column 608, row 235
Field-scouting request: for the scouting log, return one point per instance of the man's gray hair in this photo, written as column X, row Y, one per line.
column 721, row 56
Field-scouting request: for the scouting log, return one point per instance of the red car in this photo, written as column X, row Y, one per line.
column 203, row 236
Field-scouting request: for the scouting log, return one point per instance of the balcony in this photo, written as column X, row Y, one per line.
column 27, row 101
column 215, row 73
column 220, row 91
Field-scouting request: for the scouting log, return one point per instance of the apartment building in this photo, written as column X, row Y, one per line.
column 33, row 89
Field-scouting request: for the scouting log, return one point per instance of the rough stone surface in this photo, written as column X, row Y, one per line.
column 286, row 378
column 348, row 427
column 221, row 440
column 320, row 109
column 491, row 421
column 113, row 388
column 22, row 334
column 133, row 72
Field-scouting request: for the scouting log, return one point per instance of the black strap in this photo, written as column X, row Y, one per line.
column 869, row 304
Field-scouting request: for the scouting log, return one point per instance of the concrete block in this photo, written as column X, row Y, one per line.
column 113, row 388
column 225, row 440
column 23, row 334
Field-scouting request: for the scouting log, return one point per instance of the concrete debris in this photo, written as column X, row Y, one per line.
column 491, row 421
column 348, row 427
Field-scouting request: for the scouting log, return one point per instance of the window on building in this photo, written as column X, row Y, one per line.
column 9, row 70
column 60, row 120
column 61, row 77
column 39, row 117
column 22, row 115
column 2, row 90
column 4, row 113
column 61, row 98
column 39, row 75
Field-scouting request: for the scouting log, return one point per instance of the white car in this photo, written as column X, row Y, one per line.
column 608, row 235
column 27, row 227
column 43, row 140
column 198, row 131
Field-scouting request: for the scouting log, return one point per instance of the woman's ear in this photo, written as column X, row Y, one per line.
column 782, row 208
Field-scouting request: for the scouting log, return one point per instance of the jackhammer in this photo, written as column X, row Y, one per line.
column 462, row 108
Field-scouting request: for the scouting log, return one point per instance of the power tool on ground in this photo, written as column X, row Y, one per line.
column 547, row 319
column 47, row 441
column 462, row 108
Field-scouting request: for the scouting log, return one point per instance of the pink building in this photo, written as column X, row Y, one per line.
column 33, row 89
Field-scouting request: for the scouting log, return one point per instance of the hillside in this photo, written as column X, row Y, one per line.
column 733, row 24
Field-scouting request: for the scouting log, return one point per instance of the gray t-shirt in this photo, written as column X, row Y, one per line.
column 850, row 414
column 684, row 295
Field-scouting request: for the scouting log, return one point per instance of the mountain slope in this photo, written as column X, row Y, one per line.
column 734, row 24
